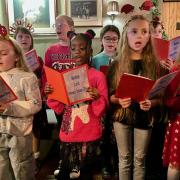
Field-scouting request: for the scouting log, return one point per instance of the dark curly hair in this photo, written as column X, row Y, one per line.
column 87, row 36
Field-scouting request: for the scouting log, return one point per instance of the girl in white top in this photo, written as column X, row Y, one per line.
column 16, row 157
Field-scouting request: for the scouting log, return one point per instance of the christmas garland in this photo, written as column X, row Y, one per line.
column 147, row 5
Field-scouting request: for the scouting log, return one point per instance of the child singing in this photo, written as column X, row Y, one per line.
column 83, row 138
column 109, row 37
column 24, row 37
column 16, row 156
column 57, row 56
column 133, row 120
column 157, row 30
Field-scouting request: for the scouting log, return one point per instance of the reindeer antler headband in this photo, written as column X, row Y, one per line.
column 22, row 23
column 128, row 8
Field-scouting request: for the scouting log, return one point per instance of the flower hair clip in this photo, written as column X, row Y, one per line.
column 3, row 32
column 22, row 23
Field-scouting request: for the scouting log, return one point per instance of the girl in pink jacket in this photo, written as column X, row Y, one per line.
column 81, row 128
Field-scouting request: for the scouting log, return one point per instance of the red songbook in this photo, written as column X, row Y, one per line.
column 104, row 69
column 174, row 87
column 32, row 60
column 70, row 86
column 135, row 87
column 6, row 93
column 166, row 49
column 162, row 83
column 139, row 88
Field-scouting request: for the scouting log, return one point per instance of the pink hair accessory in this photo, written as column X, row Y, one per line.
column 89, row 35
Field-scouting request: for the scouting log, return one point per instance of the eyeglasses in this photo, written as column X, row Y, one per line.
column 108, row 39
column 60, row 25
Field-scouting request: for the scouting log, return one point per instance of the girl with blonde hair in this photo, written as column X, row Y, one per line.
column 16, row 156
column 133, row 121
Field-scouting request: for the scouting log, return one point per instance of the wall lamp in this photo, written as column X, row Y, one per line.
column 113, row 9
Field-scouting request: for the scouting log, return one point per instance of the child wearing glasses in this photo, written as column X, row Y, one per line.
column 57, row 55
column 109, row 40
column 109, row 37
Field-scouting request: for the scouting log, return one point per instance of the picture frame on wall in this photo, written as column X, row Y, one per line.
column 41, row 14
column 85, row 12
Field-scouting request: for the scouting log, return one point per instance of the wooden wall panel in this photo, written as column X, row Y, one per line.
column 170, row 16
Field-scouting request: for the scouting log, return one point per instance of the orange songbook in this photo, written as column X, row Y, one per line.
column 69, row 86
column 32, row 60
column 6, row 93
column 139, row 88
column 166, row 49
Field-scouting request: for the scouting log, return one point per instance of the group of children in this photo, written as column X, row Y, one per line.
column 117, row 128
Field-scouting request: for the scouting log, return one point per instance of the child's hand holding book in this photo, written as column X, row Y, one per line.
column 125, row 102
column 145, row 105
column 93, row 92
column 167, row 64
column 48, row 89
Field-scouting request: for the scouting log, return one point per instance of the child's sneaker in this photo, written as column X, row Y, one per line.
column 116, row 172
column 116, row 175
column 58, row 170
column 105, row 173
column 75, row 173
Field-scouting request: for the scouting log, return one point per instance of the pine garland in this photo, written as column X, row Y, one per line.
column 155, row 11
